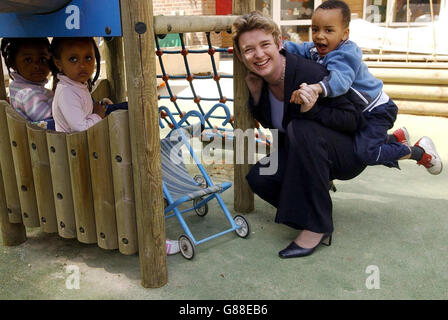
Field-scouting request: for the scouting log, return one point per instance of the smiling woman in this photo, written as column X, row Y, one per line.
column 315, row 137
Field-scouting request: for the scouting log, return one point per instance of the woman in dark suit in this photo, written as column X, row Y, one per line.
column 315, row 138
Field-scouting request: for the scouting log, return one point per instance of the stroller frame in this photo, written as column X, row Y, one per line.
column 187, row 241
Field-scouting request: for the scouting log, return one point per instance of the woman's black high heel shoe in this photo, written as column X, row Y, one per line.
column 295, row 251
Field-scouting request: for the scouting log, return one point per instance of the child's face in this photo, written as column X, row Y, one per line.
column 77, row 60
column 328, row 30
column 31, row 62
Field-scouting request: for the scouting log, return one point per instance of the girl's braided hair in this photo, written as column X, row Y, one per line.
column 10, row 48
column 56, row 49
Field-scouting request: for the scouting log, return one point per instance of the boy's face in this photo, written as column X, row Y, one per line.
column 328, row 30
column 77, row 60
column 31, row 62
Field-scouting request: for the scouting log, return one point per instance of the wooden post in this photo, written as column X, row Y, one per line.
column 22, row 165
column 243, row 195
column 102, row 185
column 62, row 188
column 138, row 33
column 120, row 153
column 78, row 159
column 113, row 55
column 8, row 171
column 13, row 234
column 40, row 163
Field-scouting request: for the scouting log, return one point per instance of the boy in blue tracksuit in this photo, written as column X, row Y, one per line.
column 343, row 59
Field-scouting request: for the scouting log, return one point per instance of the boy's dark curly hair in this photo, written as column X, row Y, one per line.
column 338, row 4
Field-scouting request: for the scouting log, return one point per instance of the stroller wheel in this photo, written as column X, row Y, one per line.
column 200, row 211
column 201, row 180
column 244, row 231
column 186, row 247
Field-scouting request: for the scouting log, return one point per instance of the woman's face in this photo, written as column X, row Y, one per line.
column 260, row 53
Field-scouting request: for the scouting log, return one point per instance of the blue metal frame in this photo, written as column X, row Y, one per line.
column 80, row 18
column 173, row 205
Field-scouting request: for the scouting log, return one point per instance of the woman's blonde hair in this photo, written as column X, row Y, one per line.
column 253, row 21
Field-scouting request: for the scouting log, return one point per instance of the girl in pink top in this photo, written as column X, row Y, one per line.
column 73, row 108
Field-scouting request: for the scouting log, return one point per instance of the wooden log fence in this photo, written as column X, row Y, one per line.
column 420, row 90
column 77, row 185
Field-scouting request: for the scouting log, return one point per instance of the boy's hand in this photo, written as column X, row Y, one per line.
column 255, row 85
column 99, row 109
column 316, row 87
column 295, row 97
column 308, row 95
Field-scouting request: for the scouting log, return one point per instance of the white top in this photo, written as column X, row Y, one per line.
column 277, row 109
column 73, row 106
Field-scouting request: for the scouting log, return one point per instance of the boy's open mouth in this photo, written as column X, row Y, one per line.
column 321, row 46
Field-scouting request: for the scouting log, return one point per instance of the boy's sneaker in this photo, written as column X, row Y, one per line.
column 430, row 159
column 402, row 136
column 172, row 247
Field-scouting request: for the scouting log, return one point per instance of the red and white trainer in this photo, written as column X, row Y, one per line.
column 430, row 159
column 402, row 136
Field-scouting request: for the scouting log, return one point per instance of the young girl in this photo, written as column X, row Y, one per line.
column 73, row 108
column 28, row 63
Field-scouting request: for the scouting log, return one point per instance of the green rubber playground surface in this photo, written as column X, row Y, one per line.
column 390, row 242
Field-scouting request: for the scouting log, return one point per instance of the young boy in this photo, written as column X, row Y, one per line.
column 343, row 59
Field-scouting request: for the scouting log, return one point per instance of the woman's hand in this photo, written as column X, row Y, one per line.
column 100, row 109
column 255, row 85
column 308, row 95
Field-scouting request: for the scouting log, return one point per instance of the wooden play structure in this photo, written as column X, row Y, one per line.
column 104, row 185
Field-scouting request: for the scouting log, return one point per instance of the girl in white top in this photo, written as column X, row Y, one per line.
column 73, row 108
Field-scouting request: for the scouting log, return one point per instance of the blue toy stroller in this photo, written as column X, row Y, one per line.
column 179, row 187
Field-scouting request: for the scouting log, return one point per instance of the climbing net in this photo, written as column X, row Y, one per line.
column 225, row 129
